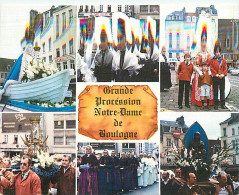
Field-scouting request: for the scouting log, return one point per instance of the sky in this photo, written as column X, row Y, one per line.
column 13, row 21
column 14, row 16
column 208, row 121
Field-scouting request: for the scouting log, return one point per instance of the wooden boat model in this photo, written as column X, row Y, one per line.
column 52, row 88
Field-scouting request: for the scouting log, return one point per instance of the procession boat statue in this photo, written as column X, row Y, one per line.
column 51, row 87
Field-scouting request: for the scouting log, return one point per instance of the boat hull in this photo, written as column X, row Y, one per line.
column 52, row 88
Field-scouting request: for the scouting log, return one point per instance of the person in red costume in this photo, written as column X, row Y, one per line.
column 219, row 71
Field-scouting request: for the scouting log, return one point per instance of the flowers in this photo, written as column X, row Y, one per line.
column 51, row 105
column 202, row 167
column 36, row 69
column 44, row 160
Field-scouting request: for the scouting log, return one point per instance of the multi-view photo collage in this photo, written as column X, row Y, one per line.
column 119, row 99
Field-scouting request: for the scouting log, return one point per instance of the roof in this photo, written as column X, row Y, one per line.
column 4, row 62
column 210, row 9
column 172, row 124
column 233, row 119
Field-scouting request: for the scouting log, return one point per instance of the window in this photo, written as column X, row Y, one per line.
column 47, row 15
column 170, row 39
column 233, row 131
column 64, row 49
column 64, row 65
column 2, row 75
column 58, row 124
column 43, row 47
column 234, row 159
column 168, row 160
column 131, row 145
column 238, row 131
column 49, row 43
column 224, row 132
column 70, row 124
column 86, row 8
column 188, row 42
column 176, row 142
column 178, row 39
column 119, row 8
column 224, row 143
column 126, row 8
column 57, row 26
column 233, row 144
column 168, row 142
column 125, row 145
column 70, row 141
column 81, row 8
column 70, row 15
column 193, row 19
column 5, row 139
column 166, row 129
column 172, row 129
column 6, row 75
column 58, row 140
column 63, row 21
column 44, row 59
column 72, row 64
column 92, row 8
column 154, row 8
column 58, row 52
column 170, row 55
column 19, row 127
column 144, row 8
column 58, row 66
column 101, row 8
column 109, row 8
column 71, row 47
column 15, row 139
column 9, row 67
column 128, row 145
column 50, row 58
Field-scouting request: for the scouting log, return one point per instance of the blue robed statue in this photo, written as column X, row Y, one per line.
column 196, row 141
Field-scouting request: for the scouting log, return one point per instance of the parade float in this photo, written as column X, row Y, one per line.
column 34, row 85
column 44, row 164
column 194, row 158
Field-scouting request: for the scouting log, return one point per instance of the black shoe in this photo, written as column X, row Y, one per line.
column 180, row 107
column 188, row 106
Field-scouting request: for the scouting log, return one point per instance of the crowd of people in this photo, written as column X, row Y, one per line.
column 208, row 80
column 119, row 61
column 173, row 183
column 25, row 181
column 112, row 175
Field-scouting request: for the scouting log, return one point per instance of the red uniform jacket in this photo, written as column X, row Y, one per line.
column 31, row 185
column 184, row 71
column 217, row 69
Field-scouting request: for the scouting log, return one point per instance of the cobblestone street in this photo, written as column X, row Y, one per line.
column 169, row 99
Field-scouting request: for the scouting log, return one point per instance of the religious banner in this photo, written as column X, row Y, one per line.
column 117, row 112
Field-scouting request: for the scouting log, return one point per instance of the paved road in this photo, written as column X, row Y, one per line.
column 169, row 99
column 149, row 190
